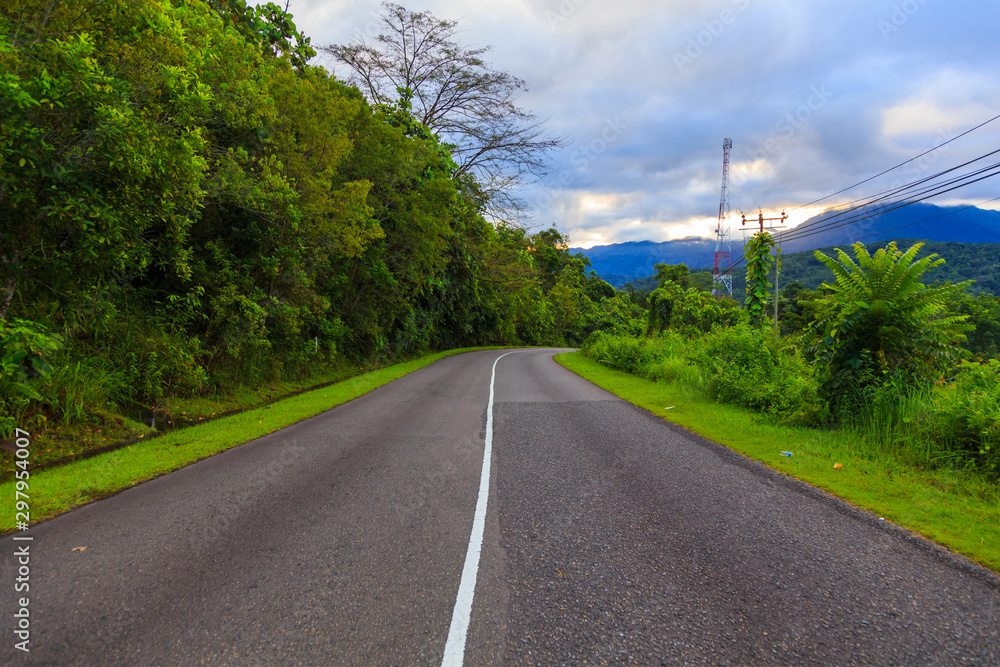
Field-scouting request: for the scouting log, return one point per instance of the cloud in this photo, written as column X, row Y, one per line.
column 815, row 96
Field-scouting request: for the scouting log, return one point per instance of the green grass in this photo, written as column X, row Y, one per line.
column 92, row 428
column 53, row 491
column 958, row 509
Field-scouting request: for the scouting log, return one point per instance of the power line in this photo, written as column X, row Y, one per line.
column 926, row 193
column 930, row 191
column 886, row 194
column 959, row 210
column 742, row 260
column 851, row 187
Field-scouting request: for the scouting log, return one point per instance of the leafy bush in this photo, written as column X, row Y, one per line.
column 668, row 358
column 965, row 415
column 689, row 311
column 748, row 367
column 741, row 365
column 25, row 351
column 146, row 361
column 625, row 353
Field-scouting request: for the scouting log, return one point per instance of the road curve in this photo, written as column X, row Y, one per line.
column 611, row 537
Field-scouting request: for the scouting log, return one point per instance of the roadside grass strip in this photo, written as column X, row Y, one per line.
column 957, row 509
column 57, row 490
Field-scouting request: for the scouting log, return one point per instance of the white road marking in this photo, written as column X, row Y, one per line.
column 454, row 648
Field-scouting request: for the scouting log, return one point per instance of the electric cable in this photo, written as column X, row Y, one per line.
column 742, row 260
column 851, row 187
column 820, row 224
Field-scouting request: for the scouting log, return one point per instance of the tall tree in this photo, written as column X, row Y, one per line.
column 417, row 63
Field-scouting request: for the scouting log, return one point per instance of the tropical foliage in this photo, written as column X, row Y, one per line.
column 874, row 351
column 877, row 323
column 759, row 260
column 187, row 206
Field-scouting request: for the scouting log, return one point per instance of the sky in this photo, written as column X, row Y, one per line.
column 816, row 95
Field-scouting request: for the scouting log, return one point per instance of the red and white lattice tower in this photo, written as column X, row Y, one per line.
column 722, row 274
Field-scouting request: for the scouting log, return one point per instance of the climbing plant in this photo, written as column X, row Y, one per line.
column 759, row 261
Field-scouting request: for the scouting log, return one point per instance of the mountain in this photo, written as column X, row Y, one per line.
column 956, row 224
column 620, row 263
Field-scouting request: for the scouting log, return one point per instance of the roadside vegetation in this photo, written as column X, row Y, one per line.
column 875, row 367
column 193, row 219
column 874, row 351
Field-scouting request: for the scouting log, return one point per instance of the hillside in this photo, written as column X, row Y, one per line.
column 620, row 263
column 979, row 262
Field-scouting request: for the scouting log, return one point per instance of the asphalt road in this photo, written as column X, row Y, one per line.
column 611, row 537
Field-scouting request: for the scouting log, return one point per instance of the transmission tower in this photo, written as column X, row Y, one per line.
column 722, row 274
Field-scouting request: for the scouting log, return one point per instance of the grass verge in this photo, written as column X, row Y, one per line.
column 55, row 443
column 955, row 508
column 53, row 491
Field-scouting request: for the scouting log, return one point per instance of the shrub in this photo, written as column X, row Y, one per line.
column 624, row 353
column 25, row 351
column 748, row 367
column 965, row 415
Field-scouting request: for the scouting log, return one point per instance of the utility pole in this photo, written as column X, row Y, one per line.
column 761, row 220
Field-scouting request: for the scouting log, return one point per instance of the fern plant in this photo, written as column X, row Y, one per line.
column 878, row 324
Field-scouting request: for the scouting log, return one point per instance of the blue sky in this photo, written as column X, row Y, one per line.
column 815, row 94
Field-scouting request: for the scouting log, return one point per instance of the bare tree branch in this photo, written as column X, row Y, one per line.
column 457, row 95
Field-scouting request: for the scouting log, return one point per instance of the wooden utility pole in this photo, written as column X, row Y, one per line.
column 761, row 220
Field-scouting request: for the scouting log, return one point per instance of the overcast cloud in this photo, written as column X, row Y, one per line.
column 815, row 94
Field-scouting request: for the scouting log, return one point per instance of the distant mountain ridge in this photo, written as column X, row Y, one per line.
column 620, row 263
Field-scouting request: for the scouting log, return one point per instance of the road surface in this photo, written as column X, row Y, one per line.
column 609, row 537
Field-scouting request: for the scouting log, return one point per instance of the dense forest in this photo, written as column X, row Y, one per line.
column 187, row 206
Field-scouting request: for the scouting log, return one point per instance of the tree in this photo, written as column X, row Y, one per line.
column 269, row 26
column 877, row 323
column 676, row 273
column 102, row 147
column 416, row 63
